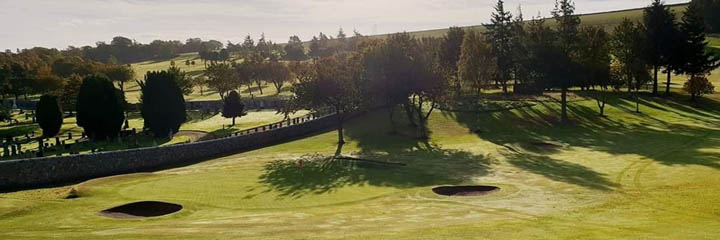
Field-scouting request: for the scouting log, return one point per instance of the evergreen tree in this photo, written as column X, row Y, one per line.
column 294, row 50
column 163, row 105
column 628, row 46
column 698, row 61
column 500, row 35
column 567, row 31
column 659, row 22
column 100, row 108
column 49, row 115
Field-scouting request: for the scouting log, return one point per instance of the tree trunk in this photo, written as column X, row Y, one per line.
column 564, row 104
column 655, row 81
column 340, row 128
column 422, row 134
column 259, row 87
column 233, row 121
column 637, row 100
column 667, row 88
column 392, row 121
column 408, row 112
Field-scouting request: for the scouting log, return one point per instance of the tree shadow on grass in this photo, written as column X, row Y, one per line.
column 319, row 174
column 562, row 171
column 424, row 164
column 654, row 138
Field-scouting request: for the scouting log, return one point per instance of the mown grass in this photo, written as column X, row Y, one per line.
column 626, row 175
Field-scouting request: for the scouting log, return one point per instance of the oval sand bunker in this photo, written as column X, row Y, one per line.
column 464, row 190
column 142, row 209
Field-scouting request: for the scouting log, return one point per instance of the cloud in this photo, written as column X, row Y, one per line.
column 58, row 24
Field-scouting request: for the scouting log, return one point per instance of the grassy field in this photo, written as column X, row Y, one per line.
column 206, row 127
column 629, row 176
column 132, row 90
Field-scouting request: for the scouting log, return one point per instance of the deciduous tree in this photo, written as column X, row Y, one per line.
column 233, row 106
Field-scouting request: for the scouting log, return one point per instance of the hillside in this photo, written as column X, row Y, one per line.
column 608, row 19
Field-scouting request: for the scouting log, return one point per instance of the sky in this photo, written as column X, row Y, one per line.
column 62, row 23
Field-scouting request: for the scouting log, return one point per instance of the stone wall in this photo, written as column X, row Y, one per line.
column 37, row 172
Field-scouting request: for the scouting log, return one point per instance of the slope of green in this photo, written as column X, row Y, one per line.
column 132, row 90
column 606, row 19
column 628, row 176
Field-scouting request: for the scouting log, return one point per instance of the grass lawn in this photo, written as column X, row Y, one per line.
column 215, row 126
column 133, row 91
column 629, row 176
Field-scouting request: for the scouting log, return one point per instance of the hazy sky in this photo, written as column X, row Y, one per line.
column 59, row 23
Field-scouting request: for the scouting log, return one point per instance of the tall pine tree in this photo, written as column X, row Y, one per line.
column 500, row 34
column 659, row 23
column 567, row 33
column 698, row 61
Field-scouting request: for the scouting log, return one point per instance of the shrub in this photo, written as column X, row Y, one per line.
column 697, row 86
column 49, row 115
column 100, row 107
column 233, row 106
column 163, row 105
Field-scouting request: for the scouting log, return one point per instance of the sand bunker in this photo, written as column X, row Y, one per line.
column 142, row 209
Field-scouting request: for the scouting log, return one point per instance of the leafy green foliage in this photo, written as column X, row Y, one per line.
column 163, row 105
column 233, row 106
column 49, row 115
column 222, row 78
column 450, row 48
column 697, row 86
column 696, row 58
column 500, row 34
column 70, row 92
column 335, row 84
column 659, row 22
column 475, row 66
column 120, row 74
column 100, row 107
column 294, row 50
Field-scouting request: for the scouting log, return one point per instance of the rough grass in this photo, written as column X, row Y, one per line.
column 650, row 175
